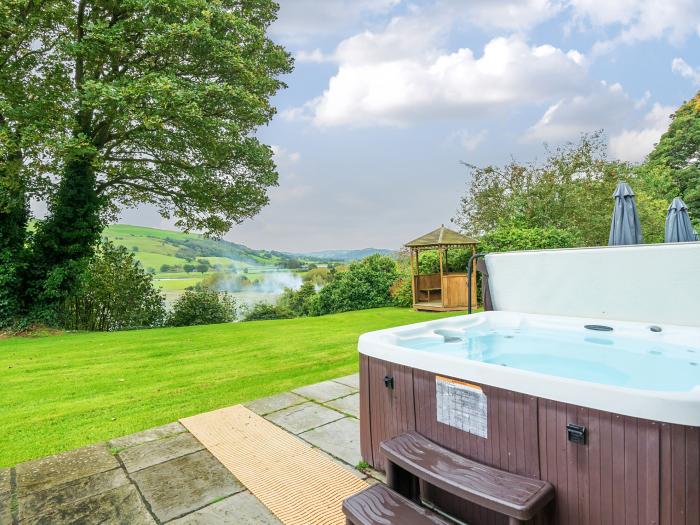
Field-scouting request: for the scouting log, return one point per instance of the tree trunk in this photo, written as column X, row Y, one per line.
column 66, row 239
column 14, row 213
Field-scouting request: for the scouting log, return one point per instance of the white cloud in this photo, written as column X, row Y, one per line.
column 639, row 20
column 403, row 74
column 635, row 144
column 468, row 140
column 508, row 14
column 299, row 20
column 284, row 157
column 315, row 55
column 292, row 186
column 680, row 66
column 602, row 108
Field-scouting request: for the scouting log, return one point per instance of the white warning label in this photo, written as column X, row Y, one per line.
column 461, row 405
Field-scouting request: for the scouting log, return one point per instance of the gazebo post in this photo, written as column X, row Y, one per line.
column 442, row 286
column 414, row 275
column 473, row 287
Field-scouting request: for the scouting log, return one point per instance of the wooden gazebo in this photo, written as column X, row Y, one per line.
column 444, row 291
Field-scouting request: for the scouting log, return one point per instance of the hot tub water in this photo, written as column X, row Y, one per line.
column 601, row 357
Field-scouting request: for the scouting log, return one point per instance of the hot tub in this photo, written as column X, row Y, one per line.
column 606, row 410
column 633, row 369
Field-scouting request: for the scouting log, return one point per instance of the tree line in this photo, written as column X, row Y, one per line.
column 566, row 200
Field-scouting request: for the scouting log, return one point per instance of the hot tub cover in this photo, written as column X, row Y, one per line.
column 656, row 283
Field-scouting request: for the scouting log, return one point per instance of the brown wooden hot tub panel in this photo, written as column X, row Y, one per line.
column 391, row 410
column 631, row 471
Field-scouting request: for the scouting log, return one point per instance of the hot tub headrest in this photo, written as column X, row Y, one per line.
column 658, row 283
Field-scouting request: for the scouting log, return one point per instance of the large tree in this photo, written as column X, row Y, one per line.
column 165, row 98
column 673, row 167
column 32, row 83
column 571, row 190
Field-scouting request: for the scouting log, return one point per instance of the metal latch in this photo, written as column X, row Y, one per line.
column 389, row 382
column 576, row 433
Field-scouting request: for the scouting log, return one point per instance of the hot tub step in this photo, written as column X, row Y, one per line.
column 509, row 494
column 378, row 505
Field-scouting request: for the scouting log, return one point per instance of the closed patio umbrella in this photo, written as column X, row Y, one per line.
column 678, row 225
column 625, row 227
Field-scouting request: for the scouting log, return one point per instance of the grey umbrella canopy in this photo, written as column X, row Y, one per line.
column 678, row 225
column 625, row 227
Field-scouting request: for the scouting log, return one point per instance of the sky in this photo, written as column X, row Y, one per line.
column 388, row 96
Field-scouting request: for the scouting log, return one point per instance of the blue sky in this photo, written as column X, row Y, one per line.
column 387, row 97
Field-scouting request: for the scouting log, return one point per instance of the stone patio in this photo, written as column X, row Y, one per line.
column 164, row 475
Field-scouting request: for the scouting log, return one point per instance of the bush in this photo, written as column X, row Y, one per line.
column 317, row 276
column 365, row 284
column 512, row 238
column 113, row 293
column 202, row 306
column 457, row 260
column 299, row 303
column 264, row 312
column 401, row 291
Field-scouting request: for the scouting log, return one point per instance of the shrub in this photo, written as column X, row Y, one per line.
column 365, row 284
column 512, row 237
column 317, row 276
column 301, row 302
column 113, row 293
column 202, row 306
column 265, row 311
column 401, row 291
column 456, row 261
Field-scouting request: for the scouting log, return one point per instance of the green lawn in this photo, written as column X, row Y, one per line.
column 61, row 392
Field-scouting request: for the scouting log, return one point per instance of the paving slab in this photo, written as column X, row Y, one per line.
column 325, row 391
column 303, row 417
column 185, row 484
column 152, row 434
column 350, row 468
column 41, row 474
column 46, row 500
column 120, row 506
column 352, row 380
column 274, row 403
column 5, row 509
column 340, row 439
column 4, row 480
column 149, row 454
column 348, row 404
column 240, row 509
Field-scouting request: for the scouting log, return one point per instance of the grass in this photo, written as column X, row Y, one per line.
column 123, row 230
column 65, row 391
column 178, row 285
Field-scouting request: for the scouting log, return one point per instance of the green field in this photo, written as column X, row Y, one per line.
column 64, row 391
column 153, row 248
column 178, row 285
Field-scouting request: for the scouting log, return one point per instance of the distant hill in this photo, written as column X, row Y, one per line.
column 156, row 249
column 343, row 255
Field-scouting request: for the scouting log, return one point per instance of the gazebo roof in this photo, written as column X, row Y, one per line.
column 441, row 237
